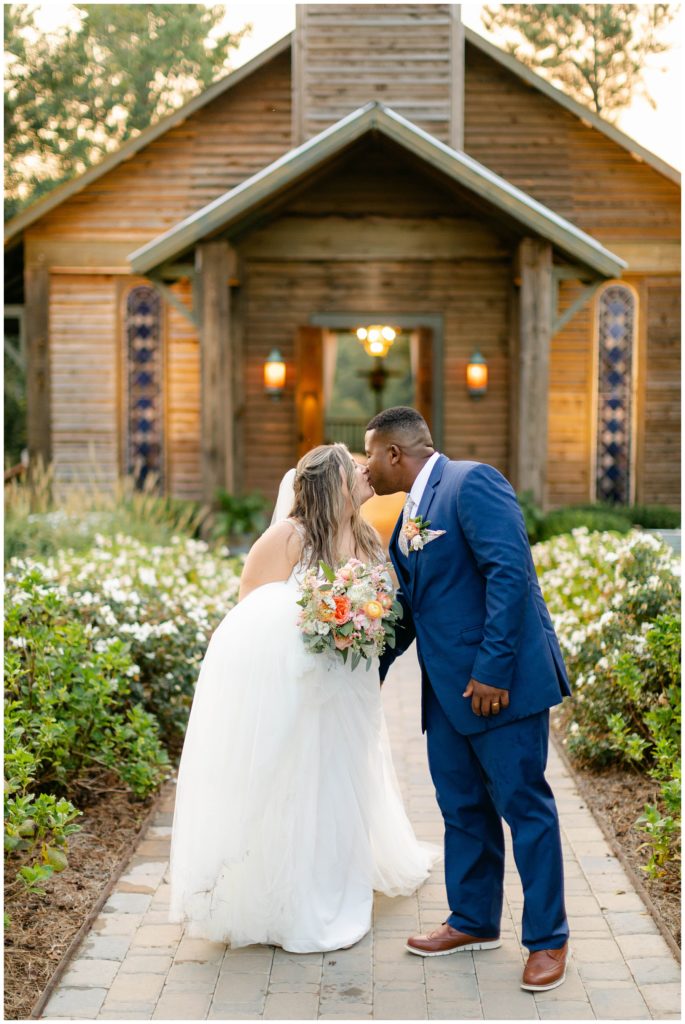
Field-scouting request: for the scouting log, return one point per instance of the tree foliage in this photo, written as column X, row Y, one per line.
column 74, row 94
column 595, row 52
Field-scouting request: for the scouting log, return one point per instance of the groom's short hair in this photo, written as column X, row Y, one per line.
column 401, row 419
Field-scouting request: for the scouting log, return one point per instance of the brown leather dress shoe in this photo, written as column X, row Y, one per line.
column 546, row 968
column 447, row 939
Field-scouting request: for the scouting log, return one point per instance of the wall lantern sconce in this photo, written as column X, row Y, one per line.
column 377, row 339
column 477, row 375
column 274, row 374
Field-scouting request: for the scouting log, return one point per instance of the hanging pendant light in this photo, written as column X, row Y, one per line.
column 377, row 339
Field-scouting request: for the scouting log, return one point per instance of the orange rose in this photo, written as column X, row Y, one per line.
column 386, row 601
column 373, row 609
column 411, row 530
column 343, row 606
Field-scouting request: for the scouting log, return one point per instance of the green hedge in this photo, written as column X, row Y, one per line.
column 596, row 516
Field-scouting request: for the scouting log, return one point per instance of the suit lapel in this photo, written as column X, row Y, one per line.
column 423, row 509
column 393, row 547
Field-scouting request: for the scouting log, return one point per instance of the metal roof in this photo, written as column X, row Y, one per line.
column 299, row 162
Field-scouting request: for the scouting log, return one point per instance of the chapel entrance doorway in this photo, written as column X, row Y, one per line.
column 343, row 380
column 341, row 385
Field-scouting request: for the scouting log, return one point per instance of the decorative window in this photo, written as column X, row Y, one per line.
column 144, row 450
column 617, row 322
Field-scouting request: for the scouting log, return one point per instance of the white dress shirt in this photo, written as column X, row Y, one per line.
column 419, row 485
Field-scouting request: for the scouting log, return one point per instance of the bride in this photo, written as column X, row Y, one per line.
column 288, row 812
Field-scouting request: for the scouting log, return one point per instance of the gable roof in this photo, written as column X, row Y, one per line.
column 301, row 161
column 36, row 210
column 132, row 146
column 530, row 77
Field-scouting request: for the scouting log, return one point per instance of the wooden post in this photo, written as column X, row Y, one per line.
column 212, row 264
column 38, row 390
column 297, row 74
column 425, row 375
column 457, row 78
column 535, row 329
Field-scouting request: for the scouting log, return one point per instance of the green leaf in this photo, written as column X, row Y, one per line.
column 327, row 571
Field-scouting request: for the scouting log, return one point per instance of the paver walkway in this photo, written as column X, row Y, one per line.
column 135, row 965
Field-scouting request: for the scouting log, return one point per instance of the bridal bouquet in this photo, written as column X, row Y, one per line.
column 353, row 610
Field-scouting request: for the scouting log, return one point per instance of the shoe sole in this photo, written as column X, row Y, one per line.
column 457, row 949
column 545, row 988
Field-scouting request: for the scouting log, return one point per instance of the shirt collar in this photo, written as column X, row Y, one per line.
column 419, row 485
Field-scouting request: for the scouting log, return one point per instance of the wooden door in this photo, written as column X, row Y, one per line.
column 309, row 388
column 424, row 375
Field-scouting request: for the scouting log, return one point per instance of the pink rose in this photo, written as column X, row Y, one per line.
column 341, row 642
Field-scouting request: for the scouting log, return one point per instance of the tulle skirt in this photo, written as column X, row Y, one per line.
column 288, row 813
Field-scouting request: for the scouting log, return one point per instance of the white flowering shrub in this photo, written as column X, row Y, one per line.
column 615, row 604
column 161, row 601
column 102, row 651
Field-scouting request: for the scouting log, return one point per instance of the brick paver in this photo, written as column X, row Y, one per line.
column 135, row 965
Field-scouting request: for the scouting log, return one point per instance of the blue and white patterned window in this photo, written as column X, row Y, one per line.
column 617, row 323
column 144, row 370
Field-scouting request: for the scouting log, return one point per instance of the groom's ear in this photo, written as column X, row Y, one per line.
column 395, row 454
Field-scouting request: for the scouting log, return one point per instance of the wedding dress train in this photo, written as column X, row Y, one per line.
column 288, row 812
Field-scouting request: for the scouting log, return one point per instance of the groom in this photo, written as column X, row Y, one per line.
column 491, row 667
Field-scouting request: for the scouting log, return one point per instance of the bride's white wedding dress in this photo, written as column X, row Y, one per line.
column 288, row 812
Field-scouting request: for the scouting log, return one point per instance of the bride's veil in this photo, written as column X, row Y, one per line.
column 285, row 499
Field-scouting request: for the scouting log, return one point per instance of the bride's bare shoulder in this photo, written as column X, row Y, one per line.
column 272, row 557
column 282, row 540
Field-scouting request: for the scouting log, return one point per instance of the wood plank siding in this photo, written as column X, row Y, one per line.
column 183, row 431
column 662, row 409
column 190, row 165
column 534, row 143
column 570, row 425
column 349, row 54
column 85, row 398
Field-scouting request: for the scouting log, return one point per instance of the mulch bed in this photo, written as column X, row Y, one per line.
column 43, row 926
column 617, row 796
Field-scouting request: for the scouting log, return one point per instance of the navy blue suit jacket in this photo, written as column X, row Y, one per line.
column 472, row 600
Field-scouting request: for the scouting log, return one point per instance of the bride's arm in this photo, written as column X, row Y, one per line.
column 271, row 558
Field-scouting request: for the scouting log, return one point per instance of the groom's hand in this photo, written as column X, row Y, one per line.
column 486, row 700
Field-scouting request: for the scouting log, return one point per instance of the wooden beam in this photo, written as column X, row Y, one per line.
column 173, row 300
column 535, row 318
column 175, row 271
column 371, row 237
column 457, row 78
column 559, row 320
column 216, row 367
column 39, row 421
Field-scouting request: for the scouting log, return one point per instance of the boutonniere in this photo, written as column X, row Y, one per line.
column 417, row 534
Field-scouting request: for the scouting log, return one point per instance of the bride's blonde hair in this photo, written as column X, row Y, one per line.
column 320, row 506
